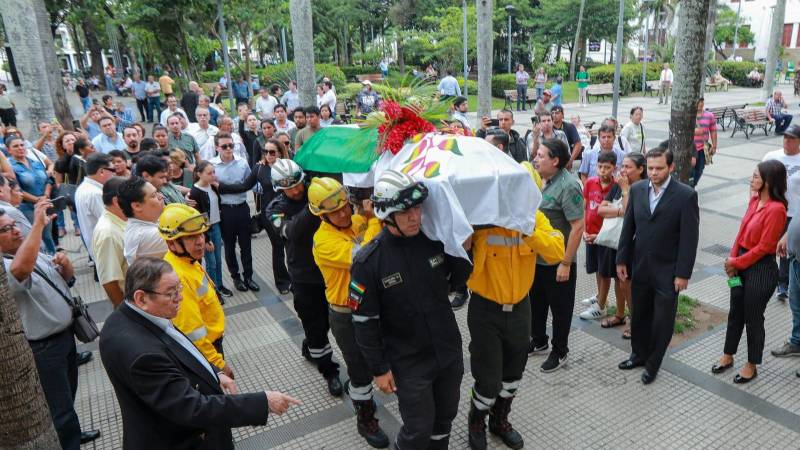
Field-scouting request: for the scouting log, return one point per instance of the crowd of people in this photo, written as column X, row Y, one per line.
column 157, row 210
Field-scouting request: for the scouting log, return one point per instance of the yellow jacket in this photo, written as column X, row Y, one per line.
column 333, row 252
column 505, row 260
column 200, row 316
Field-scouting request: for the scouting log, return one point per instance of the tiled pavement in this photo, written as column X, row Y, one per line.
column 587, row 404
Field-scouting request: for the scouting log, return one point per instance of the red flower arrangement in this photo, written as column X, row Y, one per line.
column 401, row 123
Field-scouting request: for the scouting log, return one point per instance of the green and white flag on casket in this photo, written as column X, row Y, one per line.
column 339, row 149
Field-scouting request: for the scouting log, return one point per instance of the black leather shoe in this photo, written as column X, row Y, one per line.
column 252, row 285
column 739, row 379
column 83, row 357
column 334, row 386
column 629, row 364
column 89, row 436
column 240, row 285
column 284, row 290
column 797, row 374
column 648, row 377
column 717, row 368
column 225, row 292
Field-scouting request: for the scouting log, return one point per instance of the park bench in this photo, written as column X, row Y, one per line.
column 511, row 98
column 371, row 77
column 600, row 90
column 343, row 112
column 651, row 87
column 711, row 85
column 723, row 113
column 749, row 119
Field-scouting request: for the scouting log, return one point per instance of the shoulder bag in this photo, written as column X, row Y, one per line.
column 83, row 326
column 611, row 229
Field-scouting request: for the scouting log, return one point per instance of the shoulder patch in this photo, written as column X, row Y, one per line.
column 363, row 254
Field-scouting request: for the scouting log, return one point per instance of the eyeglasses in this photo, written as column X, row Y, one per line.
column 110, row 169
column 9, row 227
column 270, row 152
column 226, row 146
column 174, row 295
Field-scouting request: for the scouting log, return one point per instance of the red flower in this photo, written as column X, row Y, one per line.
column 392, row 109
column 403, row 123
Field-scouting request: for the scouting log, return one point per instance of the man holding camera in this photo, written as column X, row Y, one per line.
column 516, row 148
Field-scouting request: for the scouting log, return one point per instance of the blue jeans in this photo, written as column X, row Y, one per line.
column 794, row 299
column 153, row 105
column 86, row 102
column 539, row 92
column 522, row 96
column 47, row 236
column 699, row 166
column 61, row 223
column 782, row 122
column 214, row 258
column 109, row 83
column 57, row 366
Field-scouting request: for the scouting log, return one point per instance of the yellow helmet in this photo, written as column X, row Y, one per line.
column 179, row 220
column 326, row 195
column 534, row 174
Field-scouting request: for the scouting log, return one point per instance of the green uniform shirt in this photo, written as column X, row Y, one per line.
column 562, row 202
column 187, row 144
column 582, row 78
column 171, row 194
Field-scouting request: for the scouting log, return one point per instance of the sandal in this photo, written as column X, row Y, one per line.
column 612, row 322
column 626, row 334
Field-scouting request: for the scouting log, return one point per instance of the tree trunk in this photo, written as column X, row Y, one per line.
column 775, row 35
column 78, row 48
column 95, row 50
column 25, row 421
column 363, row 38
column 485, row 56
column 401, row 61
column 712, row 19
column 575, row 45
column 302, row 40
column 689, row 74
column 124, row 41
column 36, row 62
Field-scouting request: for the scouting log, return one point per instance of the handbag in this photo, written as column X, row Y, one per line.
column 708, row 154
column 83, row 326
column 611, row 229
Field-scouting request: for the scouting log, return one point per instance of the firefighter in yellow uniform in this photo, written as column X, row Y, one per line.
column 200, row 316
column 339, row 237
column 499, row 321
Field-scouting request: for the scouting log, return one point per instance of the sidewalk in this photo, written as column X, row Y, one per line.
column 589, row 403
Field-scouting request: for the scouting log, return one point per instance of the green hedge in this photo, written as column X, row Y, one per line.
column 560, row 68
column 630, row 75
column 471, row 84
column 280, row 73
column 501, row 82
column 736, row 71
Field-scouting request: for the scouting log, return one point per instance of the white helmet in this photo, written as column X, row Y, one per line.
column 396, row 191
column 286, row 174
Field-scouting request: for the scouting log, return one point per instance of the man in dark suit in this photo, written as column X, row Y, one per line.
column 659, row 244
column 170, row 396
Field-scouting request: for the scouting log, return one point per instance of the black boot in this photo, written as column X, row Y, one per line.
column 306, row 352
column 477, row 428
column 368, row 425
column 499, row 425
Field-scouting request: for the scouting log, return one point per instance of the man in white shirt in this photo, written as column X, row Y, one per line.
column 665, row 84
column 449, row 87
column 291, row 98
column 460, row 108
column 142, row 204
column 282, row 123
column 203, row 133
column 328, row 97
column 172, row 108
column 89, row 195
column 265, row 103
column 109, row 138
column 108, row 241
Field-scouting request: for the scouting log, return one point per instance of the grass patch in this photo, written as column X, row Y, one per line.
column 472, row 100
column 758, row 104
column 685, row 318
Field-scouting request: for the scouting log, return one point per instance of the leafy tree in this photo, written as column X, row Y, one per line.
column 725, row 29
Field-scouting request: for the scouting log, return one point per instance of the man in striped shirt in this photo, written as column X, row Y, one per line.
column 705, row 131
column 776, row 107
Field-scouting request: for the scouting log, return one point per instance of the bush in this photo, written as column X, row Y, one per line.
column 736, row 71
column 213, row 76
column 349, row 91
column 282, row 73
column 350, row 72
column 502, row 82
column 471, row 84
column 630, row 75
column 560, row 68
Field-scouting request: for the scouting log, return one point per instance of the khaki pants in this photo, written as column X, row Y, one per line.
column 664, row 92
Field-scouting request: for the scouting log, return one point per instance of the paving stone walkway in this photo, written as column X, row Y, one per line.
column 588, row 404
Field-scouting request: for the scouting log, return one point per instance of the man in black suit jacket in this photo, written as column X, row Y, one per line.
column 659, row 244
column 170, row 396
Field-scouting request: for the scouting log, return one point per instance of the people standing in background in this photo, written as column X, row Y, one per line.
column 291, row 98
column 241, row 90
column 448, row 86
column 166, row 83
column 265, row 104
column 557, row 91
column 8, row 111
column 521, row 78
column 139, row 89
column 665, row 84
column 582, row 77
column 367, row 99
column 752, row 261
column 83, row 94
column 633, row 131
column 540, row 79
column 172, row 108
column 705, row 133
column 190, row 99
column 153, row 91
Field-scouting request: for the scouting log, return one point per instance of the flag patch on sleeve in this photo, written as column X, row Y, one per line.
column 356, row 295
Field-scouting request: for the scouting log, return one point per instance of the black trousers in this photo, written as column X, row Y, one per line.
column 428, row 404
column 141, row 105
column 748, row 303
column 312, row 308
column 235, row 224
column 360, row 377
column 279, row 270
column 8, row 117
column 498, row 348
column 652, row 322
column 547, row 294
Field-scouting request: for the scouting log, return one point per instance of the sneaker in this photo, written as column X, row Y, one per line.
column 459, row 299
column 589, row 301
column 786, row 350
column 224, row 292
column 593, row 312
column 783, row 296
column 553, row 362
column 534, row 350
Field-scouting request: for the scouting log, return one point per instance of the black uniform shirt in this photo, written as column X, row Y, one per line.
column 297, row 226
column 399, row 296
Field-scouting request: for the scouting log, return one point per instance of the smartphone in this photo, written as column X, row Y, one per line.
column 534, row 119
column 59, row 204
column 494, row 122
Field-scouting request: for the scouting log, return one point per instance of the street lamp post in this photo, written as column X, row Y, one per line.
column 466, row 66
column 510, row 11
column 618, row 64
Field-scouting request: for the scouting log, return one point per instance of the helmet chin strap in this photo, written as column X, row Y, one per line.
column 325, row 219
column 183, row 253
column 389, row 220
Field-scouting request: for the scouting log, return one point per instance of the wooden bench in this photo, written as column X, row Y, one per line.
column 511, row 98
column 371, row 77
column 749, row 119
column 651, row 87
column 725, row 113
column 600, row 90
column 342, row 112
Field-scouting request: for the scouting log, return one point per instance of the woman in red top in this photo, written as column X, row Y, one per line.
column 752, row 259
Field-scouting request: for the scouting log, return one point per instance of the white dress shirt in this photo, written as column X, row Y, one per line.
column 89, row 207
column 655, row 198
column 167, row 112
column 265, row 106
column 666, row 75
column 142, row 239
column 204, row 138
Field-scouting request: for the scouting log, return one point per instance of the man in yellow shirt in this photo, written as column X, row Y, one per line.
column 339, row 237
column 499, row 321
column 165, row 82
column 200, row 316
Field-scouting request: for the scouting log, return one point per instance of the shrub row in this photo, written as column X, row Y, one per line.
column 280, row 73
column 736, row 71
